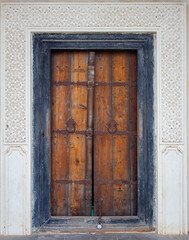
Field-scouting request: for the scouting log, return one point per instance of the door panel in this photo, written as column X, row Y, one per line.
column 103, row 170
column 69, row 121
column 60, row 98
column 115, row 134
column 77, row 142
column 94, row 133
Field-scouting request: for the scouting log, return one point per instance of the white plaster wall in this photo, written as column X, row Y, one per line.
column 187, row 80
column 18, row 21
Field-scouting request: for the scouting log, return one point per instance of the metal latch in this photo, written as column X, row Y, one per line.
column 99, row 226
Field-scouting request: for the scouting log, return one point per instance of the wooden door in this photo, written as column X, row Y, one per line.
column 71, row 173
column 94, row 133
column 115, row 134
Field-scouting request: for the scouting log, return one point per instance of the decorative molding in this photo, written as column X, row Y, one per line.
column 15, row 205
column 17, row 17
column 171, row 189
column 166, row 149
column 172, row 214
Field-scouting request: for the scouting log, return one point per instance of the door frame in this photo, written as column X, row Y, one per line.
column 43, row 44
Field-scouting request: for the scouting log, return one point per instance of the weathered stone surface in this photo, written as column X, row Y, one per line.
column 105, row 236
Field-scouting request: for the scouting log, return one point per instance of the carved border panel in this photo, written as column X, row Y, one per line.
column 17, row 17
column 173, row 177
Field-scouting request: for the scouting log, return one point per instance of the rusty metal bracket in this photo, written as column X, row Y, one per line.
column 112, row 126
column 90, row 84
column 70, row 125
column 89, row 132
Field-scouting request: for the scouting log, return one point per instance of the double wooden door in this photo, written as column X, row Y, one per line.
column 94, row 133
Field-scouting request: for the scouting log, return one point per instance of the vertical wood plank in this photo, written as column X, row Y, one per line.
column 102, row 107
column 115, row 156
column 60, row 73
column 89, row 139
column 120, row 98
column 59, row 171
column 122, row 173
column 102, row 143
column 133, row 127
column 102, row 172
column 79, row 71
column 77, row 172
column 77, row 157
column 59, row 158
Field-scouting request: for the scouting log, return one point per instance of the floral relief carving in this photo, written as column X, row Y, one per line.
column 17, row 17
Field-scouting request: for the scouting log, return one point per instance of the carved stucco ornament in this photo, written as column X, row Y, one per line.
column 18, row 17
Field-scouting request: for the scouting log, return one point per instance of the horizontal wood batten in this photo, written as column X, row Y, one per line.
column 82, row 83
column 97, row 182
column 85, row 132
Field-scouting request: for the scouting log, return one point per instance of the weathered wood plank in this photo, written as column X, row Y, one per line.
column 79, row 68
column 103, row 143
column 89, row 139
column 59, row 171
column 59, row 145
column 60, row 73
column 77, row 163
column 114, row 154
column 133, row 127
column 120, row 105
column 121, row 172
column 77, row 152
column 103, row 171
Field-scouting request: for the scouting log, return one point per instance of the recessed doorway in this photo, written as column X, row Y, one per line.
column 93, row 132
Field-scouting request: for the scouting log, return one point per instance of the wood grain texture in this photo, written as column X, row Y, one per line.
column 77, row 151
column 102, row 144
column 114, row 156
column 69, row 151
column 59, row 159
column 133, row 127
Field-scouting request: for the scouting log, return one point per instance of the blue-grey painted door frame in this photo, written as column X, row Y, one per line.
column 43, row 44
